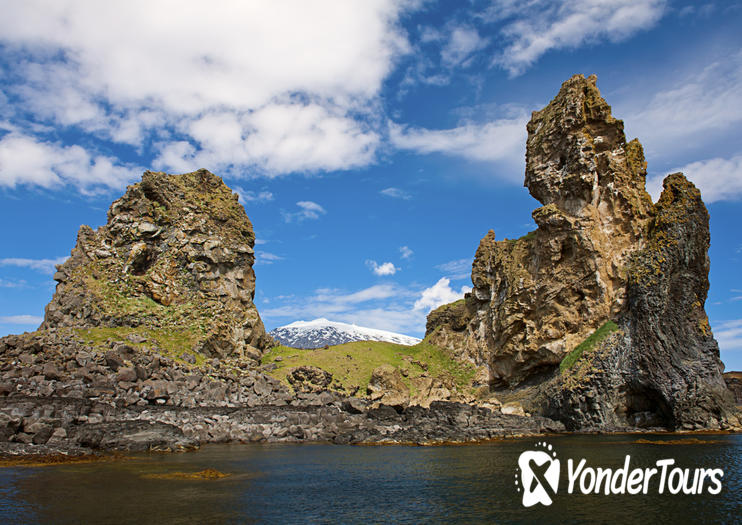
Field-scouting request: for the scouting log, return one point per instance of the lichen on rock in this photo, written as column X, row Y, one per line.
column 536, row 298
column 176, row 255
column 603, row 255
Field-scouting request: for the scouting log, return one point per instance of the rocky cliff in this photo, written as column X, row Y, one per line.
column 175, row 257
column 606, row 273
column 734, row 382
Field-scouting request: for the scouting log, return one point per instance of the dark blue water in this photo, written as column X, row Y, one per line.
column 360, row 484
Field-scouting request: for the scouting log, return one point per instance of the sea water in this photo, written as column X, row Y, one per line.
column 322, row 483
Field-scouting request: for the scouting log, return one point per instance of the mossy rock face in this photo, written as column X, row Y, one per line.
column 175, row 255
column 588, row 344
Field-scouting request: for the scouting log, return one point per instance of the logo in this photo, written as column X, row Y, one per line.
column 538, row 471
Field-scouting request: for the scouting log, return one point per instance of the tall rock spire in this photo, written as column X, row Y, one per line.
column 602, row 306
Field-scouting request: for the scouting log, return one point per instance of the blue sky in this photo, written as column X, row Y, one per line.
column 373, row 142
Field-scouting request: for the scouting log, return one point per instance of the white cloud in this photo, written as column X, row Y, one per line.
column 384, row 306
column 40, row 265
column 535, row 27
column 729, row 335
column 718, row 179
column 458, row 269
column 276, row 138
column 26, row 160
column 22, row 319
column 266, row 258
column 500, row 141
column 307, row 210
column 406, row 252
column 373, row 293
column 252, row 196
column 278, row 86
column 396, row 193
column 438, row 294
column 12, row 284
column 705, row 103
column 386, row 268
column 462, row 43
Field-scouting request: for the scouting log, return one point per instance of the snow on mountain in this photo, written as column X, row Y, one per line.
column 321, row 332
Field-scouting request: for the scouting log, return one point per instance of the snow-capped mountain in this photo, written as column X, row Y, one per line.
column 321, row 332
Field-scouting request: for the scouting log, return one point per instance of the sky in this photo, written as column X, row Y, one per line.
column 373, row 143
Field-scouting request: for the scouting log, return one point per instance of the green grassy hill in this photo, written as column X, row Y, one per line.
column 351, row 364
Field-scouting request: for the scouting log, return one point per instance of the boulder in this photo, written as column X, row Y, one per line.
column 309, row 379
column 386, row 387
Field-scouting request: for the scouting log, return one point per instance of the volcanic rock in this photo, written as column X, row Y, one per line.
column 175, row 256
column 734, row 382
column 596, row 317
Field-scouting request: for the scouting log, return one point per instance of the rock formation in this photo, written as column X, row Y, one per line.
column 152, row 342
column 734, row 383
column 175, row 257
column 661, row 367
column 602, row 252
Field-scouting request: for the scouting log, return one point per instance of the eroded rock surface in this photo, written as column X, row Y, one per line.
column 176, row 255
column 734, row 383
column 537, row 297
column 602, row 253
column 661, row 368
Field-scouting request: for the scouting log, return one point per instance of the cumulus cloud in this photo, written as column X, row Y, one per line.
column 502, row 140
column 39, row 265
column 27, row 160
column 406, row 252
column 382, row 269
column 280, row 87
column 22, row 319
column 534, row 27
column 396, row 193
column 307, row 210
column 277, row 138
column 438, row 294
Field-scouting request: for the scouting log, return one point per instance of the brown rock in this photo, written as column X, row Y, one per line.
column 537, row 297
column 387, row 387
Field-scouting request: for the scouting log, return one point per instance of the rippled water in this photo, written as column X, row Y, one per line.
column 354, row 484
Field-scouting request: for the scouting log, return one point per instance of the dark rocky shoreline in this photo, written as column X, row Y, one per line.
column 86, row 427
column 58, row 395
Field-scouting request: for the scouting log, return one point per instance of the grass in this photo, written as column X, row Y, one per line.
column 351, row 364
column 172, row 343
column 588, row 344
